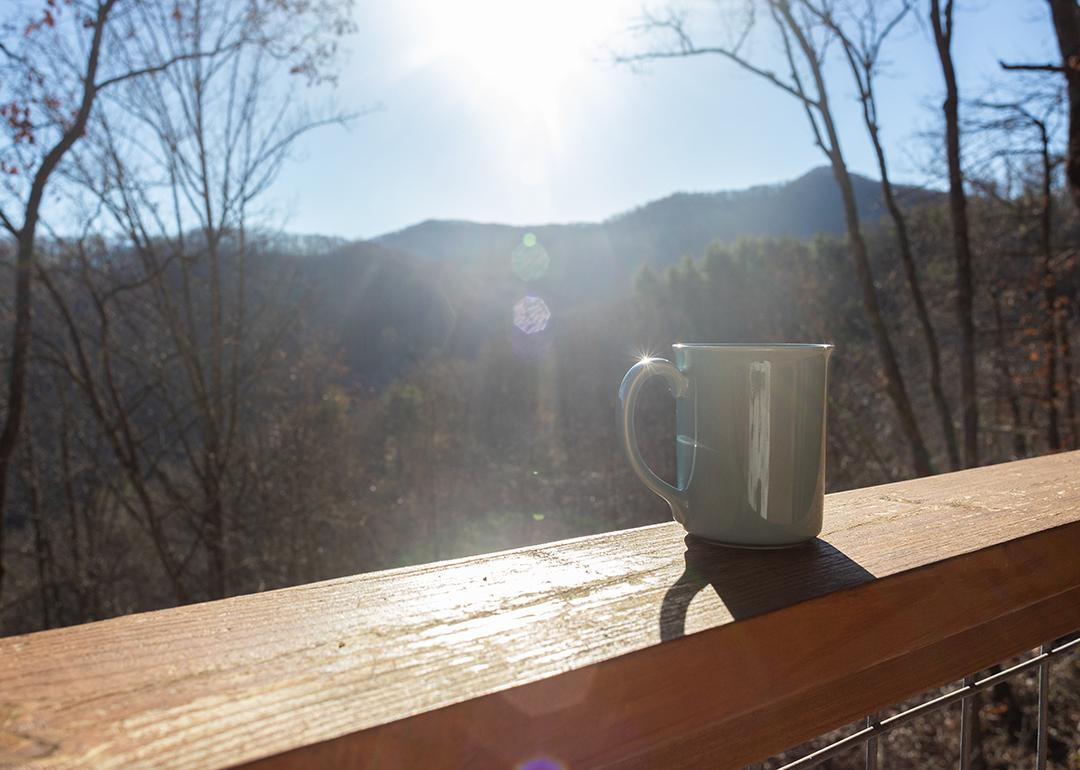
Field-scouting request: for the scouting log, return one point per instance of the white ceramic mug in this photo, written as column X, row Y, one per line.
column 750, row 440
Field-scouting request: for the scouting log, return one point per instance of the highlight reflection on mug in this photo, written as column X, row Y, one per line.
column 757, row 477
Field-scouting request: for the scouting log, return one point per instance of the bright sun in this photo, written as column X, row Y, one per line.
column 531, row 49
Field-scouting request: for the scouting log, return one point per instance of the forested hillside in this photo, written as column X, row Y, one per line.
column 447, row 286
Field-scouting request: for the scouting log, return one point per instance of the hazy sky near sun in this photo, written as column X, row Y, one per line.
column 508, row 111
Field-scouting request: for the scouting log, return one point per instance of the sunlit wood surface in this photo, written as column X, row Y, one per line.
column 625, row 649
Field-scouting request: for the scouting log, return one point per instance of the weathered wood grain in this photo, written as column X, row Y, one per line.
column 630, row 649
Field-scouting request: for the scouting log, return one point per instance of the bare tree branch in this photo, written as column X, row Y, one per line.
column 157, row 68
column 8, row 224
column 675, row 25
column 1031, row 67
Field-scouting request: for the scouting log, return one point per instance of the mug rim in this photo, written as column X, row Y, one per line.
column 757, row 345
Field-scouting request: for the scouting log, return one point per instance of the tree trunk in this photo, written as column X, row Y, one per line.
column 42, row 548
column 961, row 242
column 1008, row 387
column 1066, row 16
column 1049, row 289
column 1071, row 417
column 933, row 351
column 24, row 266
column 215, row 539
column 894, row 380
column 20, row 348
column 79, row 579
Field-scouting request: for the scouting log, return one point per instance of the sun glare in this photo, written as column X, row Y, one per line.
column 524, row 70
column 529, row 48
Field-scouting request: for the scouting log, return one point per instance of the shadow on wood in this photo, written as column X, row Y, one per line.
column 755, row 581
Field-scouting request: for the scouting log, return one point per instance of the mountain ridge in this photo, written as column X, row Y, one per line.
column 662, row 231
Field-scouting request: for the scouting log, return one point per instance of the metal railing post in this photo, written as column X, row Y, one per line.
column 1042, row 747
column 967, row 725
column 872, row 722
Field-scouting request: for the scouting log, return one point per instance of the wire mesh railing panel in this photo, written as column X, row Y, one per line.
column 1012, row 715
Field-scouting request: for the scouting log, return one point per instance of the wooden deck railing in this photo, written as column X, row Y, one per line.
column 628, row 649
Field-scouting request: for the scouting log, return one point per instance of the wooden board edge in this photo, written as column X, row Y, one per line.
column 598, row 719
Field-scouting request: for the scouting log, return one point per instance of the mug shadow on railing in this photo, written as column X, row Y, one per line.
column 751, row 582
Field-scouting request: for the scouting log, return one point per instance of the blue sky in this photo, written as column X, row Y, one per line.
column 490, row 110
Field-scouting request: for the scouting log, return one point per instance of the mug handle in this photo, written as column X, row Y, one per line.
column 628, row 395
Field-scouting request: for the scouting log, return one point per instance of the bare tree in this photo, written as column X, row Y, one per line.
column 941, row 21
column 55, row 64
column 798, row 29
column 177, row 163
column 1065, row 15
column 862, row 33
column 1025, row 127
